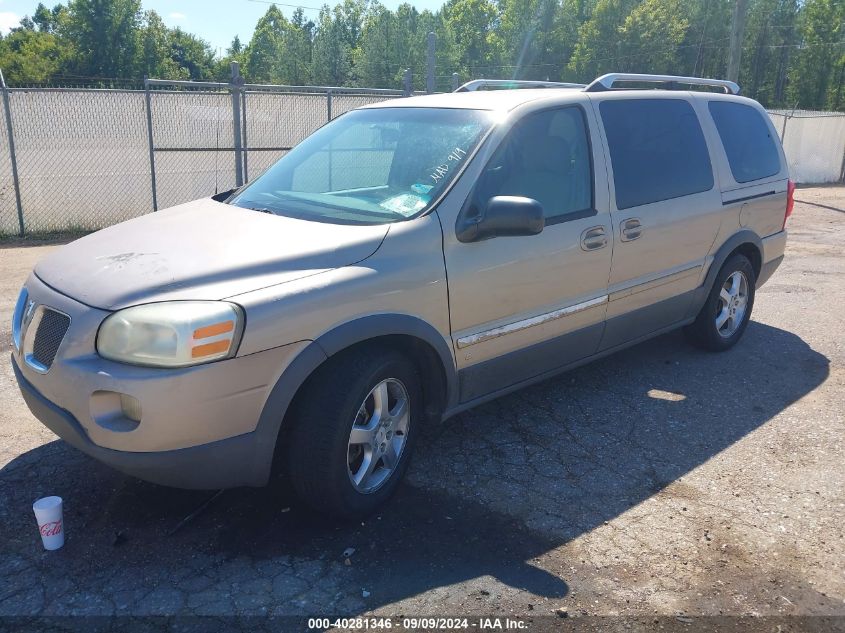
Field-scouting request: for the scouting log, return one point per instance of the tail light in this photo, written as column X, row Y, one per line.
column 790, row 200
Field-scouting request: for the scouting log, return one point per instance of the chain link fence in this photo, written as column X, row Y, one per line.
column 814, row 143
column 80, row 157
column 8, row 202
column 87, row 159
column 191, row 136
column 207, row 137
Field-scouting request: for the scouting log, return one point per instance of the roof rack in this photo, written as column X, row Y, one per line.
column 606, row 82
column 508, row 84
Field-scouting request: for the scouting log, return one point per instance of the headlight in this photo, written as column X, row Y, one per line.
column 171, row 333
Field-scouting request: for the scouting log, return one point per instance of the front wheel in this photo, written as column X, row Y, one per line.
column 353, row 431
column 727, row 310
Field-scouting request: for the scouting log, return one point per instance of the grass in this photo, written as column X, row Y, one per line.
column 40, row 238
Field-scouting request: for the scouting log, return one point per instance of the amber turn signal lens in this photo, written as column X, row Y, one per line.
column 210, row 348
column 214, row 329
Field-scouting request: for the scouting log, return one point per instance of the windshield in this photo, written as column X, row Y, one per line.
column 370, row 166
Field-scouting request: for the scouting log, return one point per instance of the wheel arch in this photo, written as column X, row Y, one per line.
column 745, row 242
column 423, row 344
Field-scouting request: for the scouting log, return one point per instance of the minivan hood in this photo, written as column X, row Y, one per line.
column 200, row 250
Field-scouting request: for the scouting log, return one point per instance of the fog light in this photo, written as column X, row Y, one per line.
column 117, row 412
column 130, row 407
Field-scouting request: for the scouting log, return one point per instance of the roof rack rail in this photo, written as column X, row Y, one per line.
column 606, row 82
column 506, row 84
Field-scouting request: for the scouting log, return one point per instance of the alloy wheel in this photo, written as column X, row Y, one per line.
column 378, row 436
column 733, row 303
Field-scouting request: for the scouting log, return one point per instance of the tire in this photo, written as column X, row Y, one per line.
column 726, row 304
column 348, row 392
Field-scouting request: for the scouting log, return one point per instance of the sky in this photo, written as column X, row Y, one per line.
column 216, row 21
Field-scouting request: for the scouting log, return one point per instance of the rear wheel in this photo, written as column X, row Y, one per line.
column 353, row 431
column 725, row 314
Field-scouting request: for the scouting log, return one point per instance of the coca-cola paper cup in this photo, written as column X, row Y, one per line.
column 48, row 513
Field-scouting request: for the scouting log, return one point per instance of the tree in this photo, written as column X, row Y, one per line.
column 598, row 49
column 264, row 57
column 704, row 51
column 793, row 51
column 526, row 40
column 770, row 36
column 298, row 47
column 812, row 75
column 473, row 23
column 350, row 18
column 223, row 65
column 332, row 56
column 30, row 56
column 47, row 20
column 376, row 62
column 236, row 48
column 192, row 55
column 649, row 37
column 106, row 35
column 154, row 50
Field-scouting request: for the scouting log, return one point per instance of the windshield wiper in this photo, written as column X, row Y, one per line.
column 259, row 209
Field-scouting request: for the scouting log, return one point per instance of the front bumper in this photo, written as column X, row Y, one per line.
column 196, row 427
column 222, row 464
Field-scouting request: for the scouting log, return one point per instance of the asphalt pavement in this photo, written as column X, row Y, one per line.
column 662, row 481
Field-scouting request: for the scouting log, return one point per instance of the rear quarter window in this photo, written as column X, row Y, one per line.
column 657, row 150
column 752, row 152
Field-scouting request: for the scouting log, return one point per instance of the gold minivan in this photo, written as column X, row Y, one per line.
column 405, row 262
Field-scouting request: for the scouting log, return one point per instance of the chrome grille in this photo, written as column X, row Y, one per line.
column 51, row 330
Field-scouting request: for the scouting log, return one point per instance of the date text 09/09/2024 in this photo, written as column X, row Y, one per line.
column 411, row 623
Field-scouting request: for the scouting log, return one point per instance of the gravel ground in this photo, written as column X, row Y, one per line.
column 660, row 481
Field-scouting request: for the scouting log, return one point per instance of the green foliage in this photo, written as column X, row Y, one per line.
column 331, row 57
column 473, row 25
column 28, row 56
column 816, row 76
column 193, row 56
column 265, row 58
column 280, row 49
column 47, row 20
column 793, row 50
column 377, row 56
column 155, row 60
column 106, row 36
column 599, row 47
column 650, row 35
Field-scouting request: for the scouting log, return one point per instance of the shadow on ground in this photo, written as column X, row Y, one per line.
column 489, row 491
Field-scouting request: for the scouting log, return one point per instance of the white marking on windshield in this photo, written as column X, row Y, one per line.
column 456, row 155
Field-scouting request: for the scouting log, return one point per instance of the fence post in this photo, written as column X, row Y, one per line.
column 328, row 106
column 148, row 102
column 842, row 171
column 407, row 82
column 456, row 81
column 244, row 136
column 429, row 79
column 12, row 155
column 236, row 87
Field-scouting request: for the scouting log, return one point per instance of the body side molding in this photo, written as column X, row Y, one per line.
column 517, row 326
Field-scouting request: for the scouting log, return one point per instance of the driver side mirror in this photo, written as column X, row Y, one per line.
column 503, row 216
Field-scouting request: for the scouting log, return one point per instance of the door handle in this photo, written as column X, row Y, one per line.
column 593, row 238
column 630, row 229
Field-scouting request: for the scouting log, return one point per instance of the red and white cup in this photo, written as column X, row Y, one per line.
column 48, row 513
